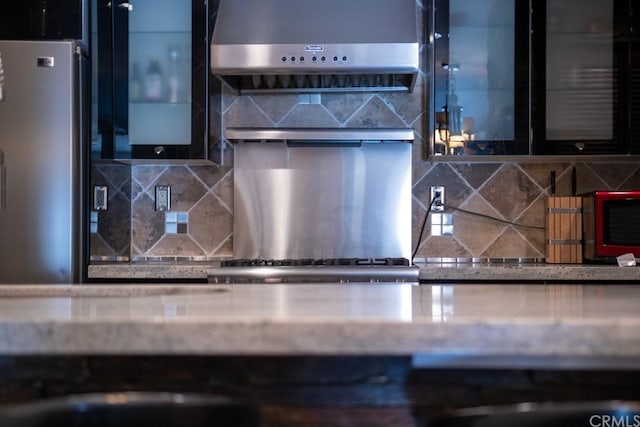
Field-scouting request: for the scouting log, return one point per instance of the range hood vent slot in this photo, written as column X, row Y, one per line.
column 306, row 46
column 313, row 83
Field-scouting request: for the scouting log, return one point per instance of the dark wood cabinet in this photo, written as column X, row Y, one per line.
column 150, row 61
column 544, row 77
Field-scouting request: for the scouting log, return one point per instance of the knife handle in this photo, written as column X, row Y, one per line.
column 553, row 182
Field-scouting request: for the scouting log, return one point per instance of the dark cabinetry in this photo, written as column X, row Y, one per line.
column 150, row 79
column 586, row 90
column 544, row 77
column 42, row 20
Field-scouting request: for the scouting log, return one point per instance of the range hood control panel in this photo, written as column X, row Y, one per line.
column 293, row 58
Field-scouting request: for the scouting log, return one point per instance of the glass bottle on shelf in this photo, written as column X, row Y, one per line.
column 153, row 82
column 135, row 86
column 174, row 83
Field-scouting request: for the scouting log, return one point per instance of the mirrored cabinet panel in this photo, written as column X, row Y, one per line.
column 537, row 77
column 151, row 79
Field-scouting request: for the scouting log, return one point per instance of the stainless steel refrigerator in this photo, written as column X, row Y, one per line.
column 42, row 161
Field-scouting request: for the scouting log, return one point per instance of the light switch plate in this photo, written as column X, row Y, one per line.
column 163, row 198
column 100, row 198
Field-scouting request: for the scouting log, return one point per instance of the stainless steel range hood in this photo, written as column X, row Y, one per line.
column 310, row 46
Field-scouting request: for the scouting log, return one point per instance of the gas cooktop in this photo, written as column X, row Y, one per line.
column 340, row 270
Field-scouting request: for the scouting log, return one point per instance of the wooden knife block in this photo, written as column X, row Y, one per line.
column 563, row 230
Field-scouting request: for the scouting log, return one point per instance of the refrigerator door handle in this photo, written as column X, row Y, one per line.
column 3, row 183
column 1, row 79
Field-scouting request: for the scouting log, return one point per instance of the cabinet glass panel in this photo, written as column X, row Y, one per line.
column 579, row 70
column 160, row 46
column 474, row 69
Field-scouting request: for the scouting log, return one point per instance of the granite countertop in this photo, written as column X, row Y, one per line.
column 428, row 272
column 529, row 272
column 439, row 325
column 150, row 270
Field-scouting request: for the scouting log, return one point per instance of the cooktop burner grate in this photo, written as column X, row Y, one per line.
column 315, row 262
column 339, row 270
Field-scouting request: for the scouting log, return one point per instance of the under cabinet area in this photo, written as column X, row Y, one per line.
column 150, row 79
column 545, row 77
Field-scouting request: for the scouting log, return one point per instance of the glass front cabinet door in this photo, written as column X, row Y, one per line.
column 536, row 77
column 150, row 74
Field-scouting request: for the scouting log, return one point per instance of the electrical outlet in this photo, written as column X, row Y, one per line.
column 100, row 198
column 437, row 197
column 163, row 197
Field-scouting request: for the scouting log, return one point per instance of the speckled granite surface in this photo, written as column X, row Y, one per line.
column 441, row 324
column 431, row 272
column 525, row 272
column 150, row 270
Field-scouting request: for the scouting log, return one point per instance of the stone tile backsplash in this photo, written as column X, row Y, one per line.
column 201, row 211
column 131, row 229
column 134, row 230
column 112, row 237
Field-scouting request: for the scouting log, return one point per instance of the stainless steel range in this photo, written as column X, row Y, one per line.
column 318, row 205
